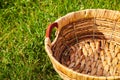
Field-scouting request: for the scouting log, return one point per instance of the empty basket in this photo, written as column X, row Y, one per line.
column 86, row 46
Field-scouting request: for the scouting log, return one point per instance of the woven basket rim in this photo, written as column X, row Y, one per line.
column 68, row 18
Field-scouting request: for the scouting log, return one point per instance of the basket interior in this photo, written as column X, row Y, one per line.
column 89, row 46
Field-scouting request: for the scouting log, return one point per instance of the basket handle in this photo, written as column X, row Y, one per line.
column 49, row 29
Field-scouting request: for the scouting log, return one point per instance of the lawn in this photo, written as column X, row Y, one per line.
column 22, row 33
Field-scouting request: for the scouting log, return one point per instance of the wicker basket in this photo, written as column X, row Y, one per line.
column 86, row 46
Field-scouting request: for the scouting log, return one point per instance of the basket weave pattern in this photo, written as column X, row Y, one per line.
column 87, row 45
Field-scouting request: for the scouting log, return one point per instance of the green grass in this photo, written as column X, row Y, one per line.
column 22, row 33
